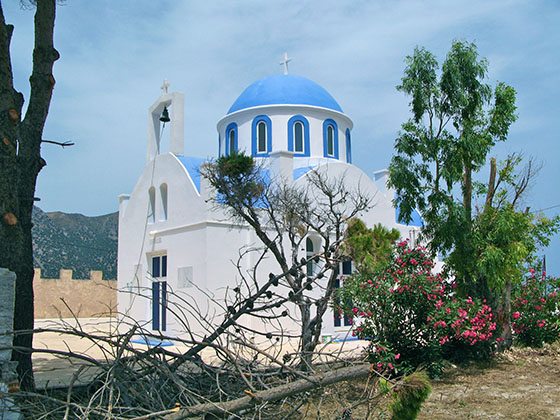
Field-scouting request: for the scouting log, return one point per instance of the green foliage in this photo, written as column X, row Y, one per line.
column 235, row 166
column 503, row 241
column 370, row 249
column 456, row 119
column 409, row 396
column 238, row 181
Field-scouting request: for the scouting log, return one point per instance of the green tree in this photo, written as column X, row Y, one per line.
column 20, row 163
column 456, row 119
column 504, row 238
column 369, row 249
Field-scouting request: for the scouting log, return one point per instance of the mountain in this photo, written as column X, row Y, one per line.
column 76, row 242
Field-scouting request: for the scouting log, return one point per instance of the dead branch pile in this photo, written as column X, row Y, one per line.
column 239, row 381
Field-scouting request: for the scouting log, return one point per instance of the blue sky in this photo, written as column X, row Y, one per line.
column 114, row 56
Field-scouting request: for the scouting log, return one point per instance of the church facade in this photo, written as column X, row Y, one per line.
column 178, row 253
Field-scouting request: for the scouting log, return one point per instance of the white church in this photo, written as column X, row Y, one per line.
column 177, row 251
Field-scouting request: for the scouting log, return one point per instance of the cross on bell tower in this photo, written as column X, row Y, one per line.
column 285, row 62
column 165, row 86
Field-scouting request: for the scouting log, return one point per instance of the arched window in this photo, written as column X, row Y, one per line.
column 261, row 138
column 330, row 139
column 298, row 135
column 308, row 254
column 163, row 197
column 151, row 205
column 348, row 147
column 231, row 139
column 231, row 144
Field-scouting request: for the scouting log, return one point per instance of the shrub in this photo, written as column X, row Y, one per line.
column 408, row 398
column 412, row 316
column 535, row 306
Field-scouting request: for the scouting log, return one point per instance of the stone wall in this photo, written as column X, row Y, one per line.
column 66, row 297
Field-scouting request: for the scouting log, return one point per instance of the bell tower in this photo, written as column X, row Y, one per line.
column 169, row 108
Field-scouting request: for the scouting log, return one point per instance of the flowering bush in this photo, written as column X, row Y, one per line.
column 535, row 310
column 412, row 316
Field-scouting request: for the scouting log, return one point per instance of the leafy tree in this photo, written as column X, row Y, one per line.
column 504, row 238
column 370, row 249
column 20, row 164
column 456, row 119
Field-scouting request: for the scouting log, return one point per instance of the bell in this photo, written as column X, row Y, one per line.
column 164, row 115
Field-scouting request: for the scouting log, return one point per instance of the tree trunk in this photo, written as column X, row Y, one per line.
column 506, row 336
column 20, row 163
column 270, row 395
column 307, row 347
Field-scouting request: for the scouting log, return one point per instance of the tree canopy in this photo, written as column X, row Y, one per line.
column 457, row 117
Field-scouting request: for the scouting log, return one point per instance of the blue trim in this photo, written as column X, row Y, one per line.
column 219, row 145
column 291, row 122
column 326, row 123
column 286, row 89
column 152, row 342
column 231, row 126
column 268, row 123
column 344, row 340
column 415, row 218
column 192, row 165
column 348, row 146
column 299, row 172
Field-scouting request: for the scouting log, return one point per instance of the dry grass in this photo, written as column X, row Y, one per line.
column 520, row 384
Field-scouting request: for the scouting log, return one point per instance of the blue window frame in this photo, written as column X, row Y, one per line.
column 231, row 139
column 309, row 252
column 159, row 266
column 159, row 292
column 348, row 146
column 261, row 136
column 298, row 135
column 330, row 139
column 341, row 319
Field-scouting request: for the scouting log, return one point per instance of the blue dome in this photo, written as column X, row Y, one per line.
column 284, row 89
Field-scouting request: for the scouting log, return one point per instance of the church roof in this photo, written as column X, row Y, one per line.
column 192, row 165
column 284, row 89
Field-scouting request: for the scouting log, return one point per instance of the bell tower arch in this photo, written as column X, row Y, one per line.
column 174, row 103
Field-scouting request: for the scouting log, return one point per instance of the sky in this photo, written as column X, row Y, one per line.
column 114, row 56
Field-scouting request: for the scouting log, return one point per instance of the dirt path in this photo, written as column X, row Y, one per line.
column 522, row 384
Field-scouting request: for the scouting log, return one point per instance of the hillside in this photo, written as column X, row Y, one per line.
column 75, row 241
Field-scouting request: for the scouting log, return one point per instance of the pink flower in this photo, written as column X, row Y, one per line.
column 397, row 356
column 355, row 310
column 390, row 366
column 515, row 315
